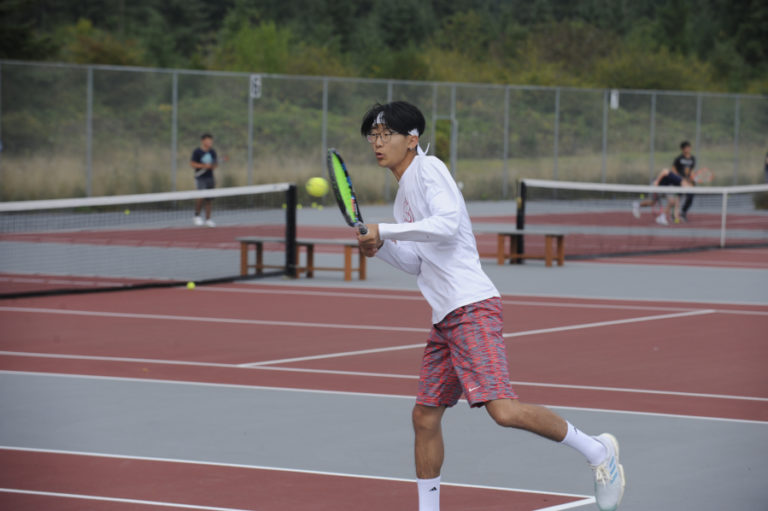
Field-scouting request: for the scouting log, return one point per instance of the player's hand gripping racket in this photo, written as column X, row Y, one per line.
column 344, row 192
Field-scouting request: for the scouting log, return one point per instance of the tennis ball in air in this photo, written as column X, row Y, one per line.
column 127, row 211
column 190, row 285
column 317, row 186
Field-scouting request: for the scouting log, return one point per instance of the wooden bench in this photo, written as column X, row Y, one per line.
column 308, row 244
column 514, row 235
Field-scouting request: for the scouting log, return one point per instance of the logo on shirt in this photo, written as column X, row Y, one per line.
column 407, row 213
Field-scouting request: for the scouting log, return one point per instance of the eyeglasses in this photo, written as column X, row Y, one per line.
column 385, row 137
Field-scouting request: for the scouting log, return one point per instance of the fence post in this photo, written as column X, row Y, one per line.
column 651, row 162
column 605, row 134
column 433, row 135
column 736, row 121
column 698, row 128
column 388, row 182
column 89, row 134
column 1, row 126
column 454, row 132
column 557, row 131
column 505, row 177
column 324, row 128
column 174, row 128
column 249, row 172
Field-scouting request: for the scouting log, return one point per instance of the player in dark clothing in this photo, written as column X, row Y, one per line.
column 204, row 161
column 684, row 165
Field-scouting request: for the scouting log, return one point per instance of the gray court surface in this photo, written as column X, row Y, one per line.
column 671, row 462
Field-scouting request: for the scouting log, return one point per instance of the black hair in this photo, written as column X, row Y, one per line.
column 206, row 135
column 684, row 144
column 399, row 116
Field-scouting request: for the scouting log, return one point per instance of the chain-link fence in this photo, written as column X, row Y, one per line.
column 70, row 130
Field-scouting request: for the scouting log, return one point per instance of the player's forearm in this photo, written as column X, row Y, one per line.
column 401, row 256
column 433, row 229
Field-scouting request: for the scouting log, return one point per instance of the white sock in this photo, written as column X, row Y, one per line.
column 429, row 494
column 589, row 446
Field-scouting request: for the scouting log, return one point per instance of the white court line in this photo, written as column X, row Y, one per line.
column 368, row 375
column 561, row 507
column 610, row 323
column 507, row 335
column 353, row 394
column 569, row 505
column 333, row 355
column 99, row 498
column 419, row 298
column 208, row 319
column 281, row 469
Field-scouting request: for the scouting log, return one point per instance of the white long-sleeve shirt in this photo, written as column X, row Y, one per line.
column 433, row 239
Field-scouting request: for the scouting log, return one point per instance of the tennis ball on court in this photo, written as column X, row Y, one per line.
column 190, row 285
column 317, row 186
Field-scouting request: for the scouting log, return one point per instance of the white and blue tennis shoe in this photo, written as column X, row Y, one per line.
column 609, row 476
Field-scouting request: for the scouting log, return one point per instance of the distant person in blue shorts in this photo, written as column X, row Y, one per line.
column 666, row 177
column 204, row 161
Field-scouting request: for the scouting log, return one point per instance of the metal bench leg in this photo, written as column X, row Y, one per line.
column 560, row 250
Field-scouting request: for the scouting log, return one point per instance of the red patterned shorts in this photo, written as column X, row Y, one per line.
column 465, row 353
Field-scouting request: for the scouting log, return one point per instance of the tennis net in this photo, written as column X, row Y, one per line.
column 609, row 219
column 138, row 241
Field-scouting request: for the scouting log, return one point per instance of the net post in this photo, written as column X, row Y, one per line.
column 723, row 216
column 290, row 231
column 520, row 220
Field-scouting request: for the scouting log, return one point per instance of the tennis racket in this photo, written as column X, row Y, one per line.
column 344, row 192
column 703, row 176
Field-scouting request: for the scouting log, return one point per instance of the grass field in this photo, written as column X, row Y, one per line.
column 149, row 170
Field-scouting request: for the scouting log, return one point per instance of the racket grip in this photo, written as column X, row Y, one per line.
column 361, row 228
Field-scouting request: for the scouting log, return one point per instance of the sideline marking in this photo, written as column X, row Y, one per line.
column 354, row 394
column 609, row 323
column 566, row 386
column 506, row 301
column 208, row 319
column 80, row 496
column 280, row 469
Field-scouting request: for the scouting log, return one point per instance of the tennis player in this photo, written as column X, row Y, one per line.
column 666, row 177
column 465, row 352
column 684, row 165
column 204, row 161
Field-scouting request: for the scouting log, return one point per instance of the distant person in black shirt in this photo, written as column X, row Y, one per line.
column 684, row 165
column 204, row 161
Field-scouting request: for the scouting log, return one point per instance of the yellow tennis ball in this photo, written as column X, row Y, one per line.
column 190, row 285
column 317, row 186
column 127, row 211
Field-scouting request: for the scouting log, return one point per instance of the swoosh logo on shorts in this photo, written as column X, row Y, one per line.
column 475, row 388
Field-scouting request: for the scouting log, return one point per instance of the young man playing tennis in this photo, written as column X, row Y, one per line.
column 204, row 161
column 465, row 352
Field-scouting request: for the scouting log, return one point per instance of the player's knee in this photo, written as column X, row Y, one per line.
column 507, row 412
column 426, row 419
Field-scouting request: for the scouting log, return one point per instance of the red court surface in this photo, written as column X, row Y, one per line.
column 117, row 481
column 694, row 359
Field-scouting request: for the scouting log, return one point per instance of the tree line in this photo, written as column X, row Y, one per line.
column 710, row 45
